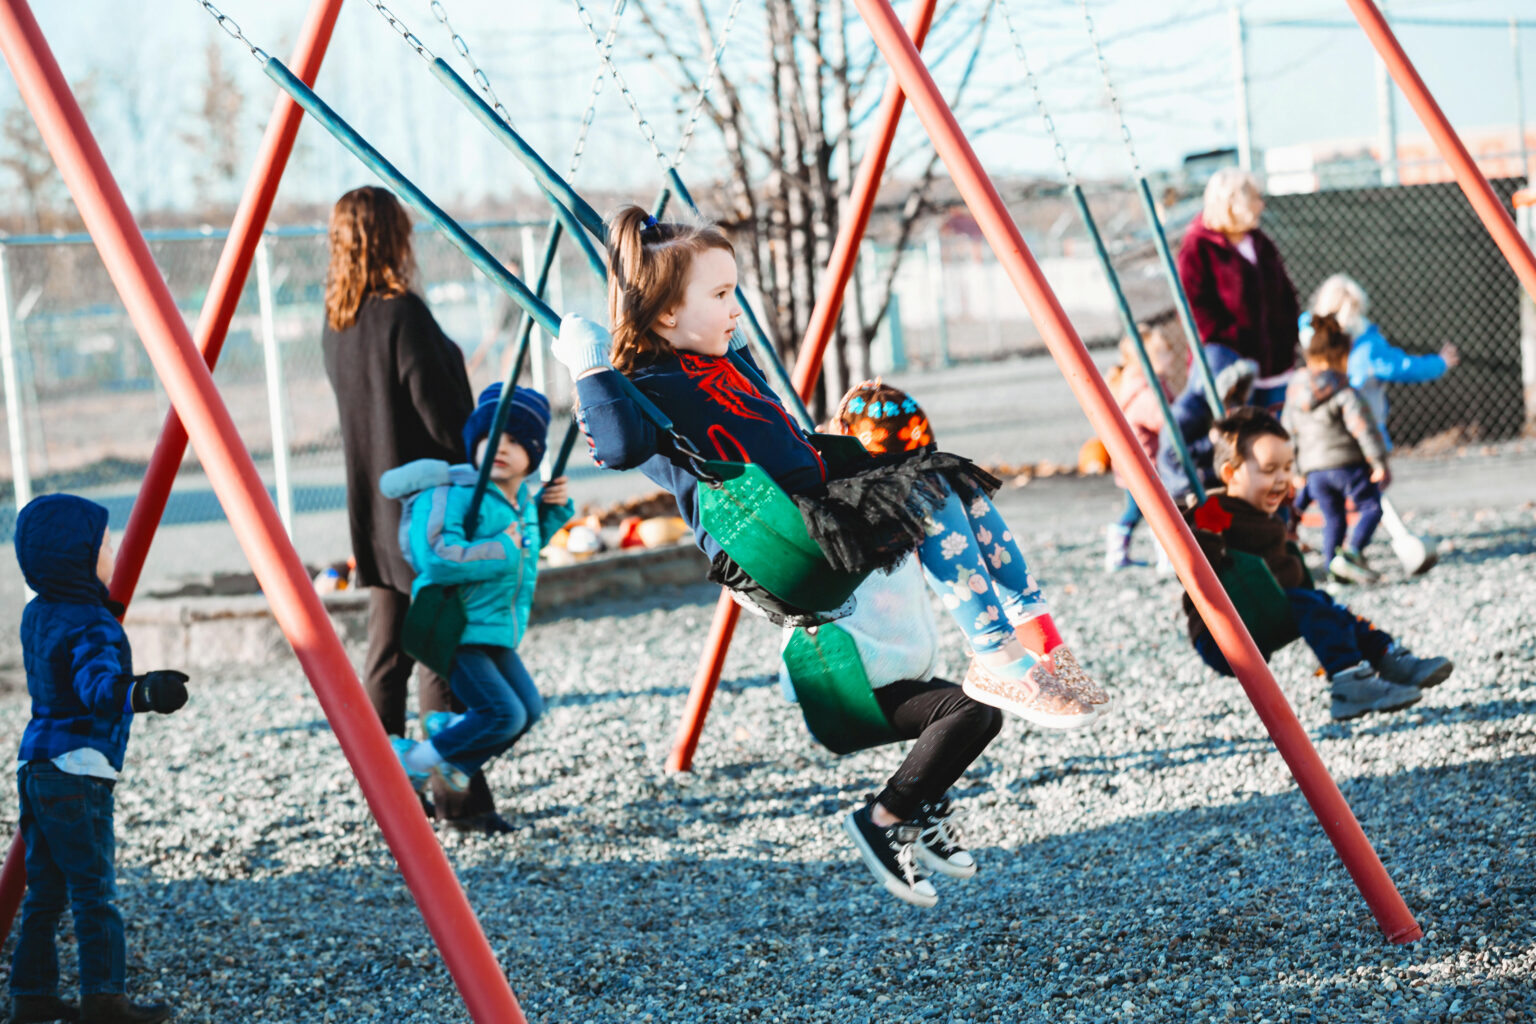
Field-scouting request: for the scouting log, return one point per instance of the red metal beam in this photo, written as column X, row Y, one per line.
column 295, row 605
column 834, row 283
column 218, row 309
column 1492, row 213
column 224, row 293
column 861, row 202
column 1108, row 423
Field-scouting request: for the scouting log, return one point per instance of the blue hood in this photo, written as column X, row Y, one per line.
column 58, row 538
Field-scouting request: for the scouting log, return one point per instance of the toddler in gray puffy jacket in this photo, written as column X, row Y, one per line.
column 1340, row 448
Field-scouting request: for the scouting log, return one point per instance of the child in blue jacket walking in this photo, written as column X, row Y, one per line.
column 84, row 696
column 1374, row 362
column 497, row 568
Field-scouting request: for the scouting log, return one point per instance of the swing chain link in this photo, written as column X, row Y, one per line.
column 618, row 77
column 404, row 30
column 589, row 115
column 1034, row 86
column 1109, row 87
column 709, row 83
column 232, row 29
column 461, row 46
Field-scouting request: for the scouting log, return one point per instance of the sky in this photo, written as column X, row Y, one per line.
column 1171, row 63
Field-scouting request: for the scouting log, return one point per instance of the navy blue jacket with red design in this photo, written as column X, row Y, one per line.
column 726, row 413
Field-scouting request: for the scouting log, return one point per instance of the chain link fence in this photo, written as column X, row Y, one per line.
column 84, row 408
column 1434, row 275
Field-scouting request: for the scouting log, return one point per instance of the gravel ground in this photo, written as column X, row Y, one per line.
column 1158, row 867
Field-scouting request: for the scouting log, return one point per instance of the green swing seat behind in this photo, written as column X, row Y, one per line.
column 833, row 690
column 1260, row 601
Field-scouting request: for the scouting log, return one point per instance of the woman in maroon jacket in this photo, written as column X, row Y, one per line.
column 402, row 394
column 1239, row 292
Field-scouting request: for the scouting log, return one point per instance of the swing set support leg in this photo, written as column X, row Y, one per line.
column 1194, row 571
column 1489, row 210
column 834, row 282
column 233, row 475
column 218, row 310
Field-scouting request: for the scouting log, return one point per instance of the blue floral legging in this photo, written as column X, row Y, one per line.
column 974, row 564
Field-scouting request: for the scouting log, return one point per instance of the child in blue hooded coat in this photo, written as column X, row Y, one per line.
column 497, row 569
column 84, row 695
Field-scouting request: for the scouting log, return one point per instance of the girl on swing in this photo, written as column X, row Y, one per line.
column 672, row 306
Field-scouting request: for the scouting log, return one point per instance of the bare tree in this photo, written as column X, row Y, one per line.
column 215, row 141
column 786, row 122
column 25, row 156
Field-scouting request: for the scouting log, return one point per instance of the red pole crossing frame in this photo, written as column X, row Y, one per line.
column 1108, row 423
column 834, row 282
column 218, row 309
column 224, row 293
column 1492, row 213
column 295, row 605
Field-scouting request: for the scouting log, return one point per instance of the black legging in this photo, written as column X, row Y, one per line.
column 387, row 675
column 951, row 731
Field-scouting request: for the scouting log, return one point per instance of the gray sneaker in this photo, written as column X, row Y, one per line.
column 1401, row 666
column 1359, row 690
column 1351, row 567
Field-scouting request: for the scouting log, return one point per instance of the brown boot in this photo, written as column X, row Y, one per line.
column 27, row 1009
column 116, row 1009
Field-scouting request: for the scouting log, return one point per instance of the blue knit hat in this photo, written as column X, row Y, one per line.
column 527, row 422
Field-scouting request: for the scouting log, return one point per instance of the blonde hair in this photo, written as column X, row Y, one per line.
column 1233, row 201
column 648, row 267
column 1341, row 297
column 370, row 246
column 1165, row 349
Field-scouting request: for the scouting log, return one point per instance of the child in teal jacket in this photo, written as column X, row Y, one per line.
column 496, row 569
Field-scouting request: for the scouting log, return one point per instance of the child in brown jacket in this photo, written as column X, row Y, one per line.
column 1367, row 669
column 1340, row 448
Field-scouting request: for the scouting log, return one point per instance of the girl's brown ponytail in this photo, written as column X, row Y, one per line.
column 648, row 265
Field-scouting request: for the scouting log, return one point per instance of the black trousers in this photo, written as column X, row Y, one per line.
column 951, row 731
column 386, row 677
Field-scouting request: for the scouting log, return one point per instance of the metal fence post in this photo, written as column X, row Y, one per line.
column 933, row 252
column 277, row 406
column 15, row 415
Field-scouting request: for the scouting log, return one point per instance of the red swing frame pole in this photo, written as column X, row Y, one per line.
column 861, row 203
column 224, row 293
column 834, row 282
column 1194, row 571
column 295, row 605
column 218, row 309
column 1472, row 181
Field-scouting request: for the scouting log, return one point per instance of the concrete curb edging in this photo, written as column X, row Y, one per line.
column 206, row 632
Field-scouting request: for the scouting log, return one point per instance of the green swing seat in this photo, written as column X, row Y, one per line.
column 1260, row 601
column 762, row 530
column 834, row 693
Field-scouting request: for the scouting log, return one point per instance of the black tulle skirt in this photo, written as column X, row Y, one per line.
column 875, row 518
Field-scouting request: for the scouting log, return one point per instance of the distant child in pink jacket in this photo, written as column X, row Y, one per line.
column 1134, row 394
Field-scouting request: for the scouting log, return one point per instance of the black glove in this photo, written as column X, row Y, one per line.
column 164, row 690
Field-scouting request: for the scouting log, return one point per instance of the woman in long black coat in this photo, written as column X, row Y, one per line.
column 402, row 394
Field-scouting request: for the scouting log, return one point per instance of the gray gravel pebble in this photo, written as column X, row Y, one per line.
column 1158, row 867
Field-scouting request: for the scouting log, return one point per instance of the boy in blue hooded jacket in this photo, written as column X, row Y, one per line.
column 84, row 695
column 496, row 568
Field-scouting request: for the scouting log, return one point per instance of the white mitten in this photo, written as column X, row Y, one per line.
column 582, row 345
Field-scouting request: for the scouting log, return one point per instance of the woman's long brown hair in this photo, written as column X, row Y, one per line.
column 648, row 267
column 370, row 238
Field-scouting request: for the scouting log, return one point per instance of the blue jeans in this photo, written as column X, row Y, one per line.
column 500, row 704
column 1329, row 488
column 974, row 564
column 1132, row 514
column 1340, row 638
column 66, row 821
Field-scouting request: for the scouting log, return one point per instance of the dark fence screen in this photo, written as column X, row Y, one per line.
column 1434, row 275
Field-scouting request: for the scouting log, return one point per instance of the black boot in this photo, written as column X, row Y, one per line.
column 25, row 1009
column 116, row 1009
